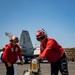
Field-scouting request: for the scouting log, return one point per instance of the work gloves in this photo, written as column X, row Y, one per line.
column 22, row 62
column 9, row 64
column 38, row 58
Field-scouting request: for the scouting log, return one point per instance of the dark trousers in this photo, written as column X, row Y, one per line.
column 9, row 70
column 61, row 65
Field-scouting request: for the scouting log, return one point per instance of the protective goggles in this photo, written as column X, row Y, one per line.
column 15, row 41
column 40, row 38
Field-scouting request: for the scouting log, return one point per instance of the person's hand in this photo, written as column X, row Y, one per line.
column 22, row 62
column 9, row 64
column 38, row 58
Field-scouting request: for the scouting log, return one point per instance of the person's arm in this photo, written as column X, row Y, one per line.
column 6, row 54
column 19, row 53
column 20, row 56
column 50, row 46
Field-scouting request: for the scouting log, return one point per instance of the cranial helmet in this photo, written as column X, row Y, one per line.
column 40, row 35
column 14, row 39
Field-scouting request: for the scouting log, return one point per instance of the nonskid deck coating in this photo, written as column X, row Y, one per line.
column 45, row 68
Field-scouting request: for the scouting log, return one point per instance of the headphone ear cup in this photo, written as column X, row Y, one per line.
column 10, row 40
column 17, row 40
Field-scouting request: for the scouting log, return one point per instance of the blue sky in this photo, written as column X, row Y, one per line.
column 57, row 17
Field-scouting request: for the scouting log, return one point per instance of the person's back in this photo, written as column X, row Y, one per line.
column 52, row 50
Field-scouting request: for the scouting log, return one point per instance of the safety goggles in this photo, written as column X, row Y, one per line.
column 15, row 41
column 40, row 38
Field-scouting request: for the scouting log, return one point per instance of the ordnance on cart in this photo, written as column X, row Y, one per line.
column 34, row 68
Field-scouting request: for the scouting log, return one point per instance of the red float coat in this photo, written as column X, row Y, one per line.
column 51, row 50
column 11, row 53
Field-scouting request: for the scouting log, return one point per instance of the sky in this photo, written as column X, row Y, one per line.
column 56, row 17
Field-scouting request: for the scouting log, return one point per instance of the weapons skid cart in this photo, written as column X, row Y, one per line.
column 34, row 68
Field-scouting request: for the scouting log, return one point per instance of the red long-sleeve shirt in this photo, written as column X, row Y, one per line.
column 51, row 50
column 11, row 53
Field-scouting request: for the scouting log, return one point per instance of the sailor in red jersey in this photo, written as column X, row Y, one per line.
column 53, row 52
column 11, row 53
